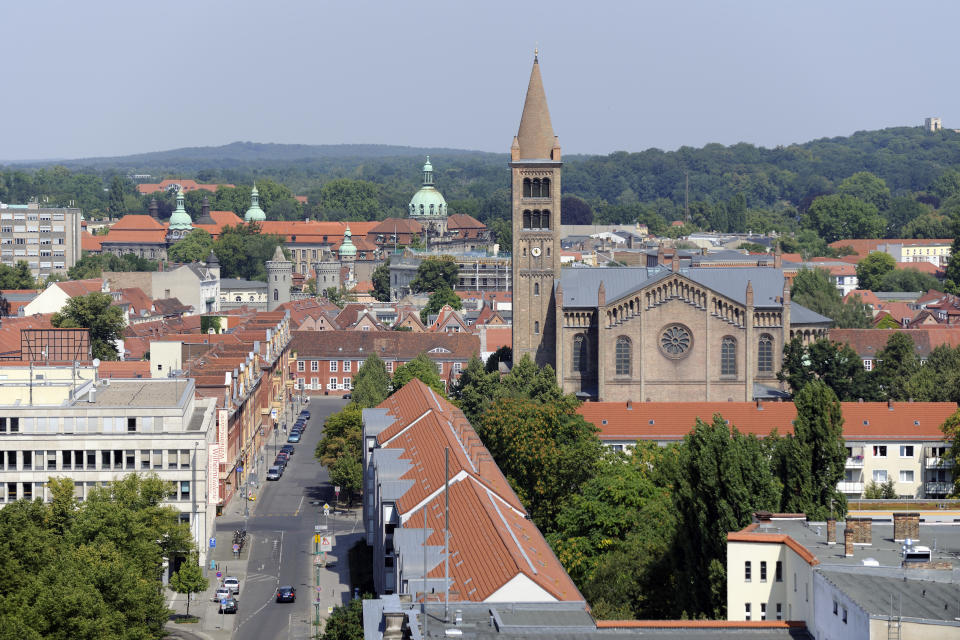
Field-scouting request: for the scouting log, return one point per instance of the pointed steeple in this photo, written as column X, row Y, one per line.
column 535, row 136
column 180, row 219
column 254, row 213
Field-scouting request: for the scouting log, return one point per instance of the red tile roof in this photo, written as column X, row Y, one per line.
column 868, row 342
column 923, row 267
column 395, row 225
column 364, row 286
column 222, row 219
column 90, row 242
column 464, row 221
column 133, row 222
column 866, row 297
column 134, row 237
column 314, row 231
column 670, row 421
column 124, row 369
column 77, row 288
column 749, row 535
column 187, row 185
column 863, row 246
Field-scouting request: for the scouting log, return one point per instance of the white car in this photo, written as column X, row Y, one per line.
column 233, row 584
column 222, row 594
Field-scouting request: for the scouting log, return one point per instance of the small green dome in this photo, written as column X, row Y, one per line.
column 254, row 213
column 347, row 248
column 428, row 201
column 180, row 219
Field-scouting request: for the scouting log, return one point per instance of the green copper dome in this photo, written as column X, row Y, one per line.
column 254, row 213
column 427, row 201
column 347, row 248
column 180, row 219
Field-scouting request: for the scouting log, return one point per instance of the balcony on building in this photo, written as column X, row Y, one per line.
column 850, row 487
column 854, row 458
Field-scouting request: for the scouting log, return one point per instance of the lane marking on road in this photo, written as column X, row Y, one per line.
column 297, row 512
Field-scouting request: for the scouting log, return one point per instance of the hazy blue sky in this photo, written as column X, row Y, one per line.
column 107, row 78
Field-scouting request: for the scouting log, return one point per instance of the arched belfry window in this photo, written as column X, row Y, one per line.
column 536, row 288
column 728, row 357
column 580, row 353
column 545, row 188
column 526, row 219
column 765, row 354
column 536, row 187
column 622, row 356
column 545, row 219
column 526, row 188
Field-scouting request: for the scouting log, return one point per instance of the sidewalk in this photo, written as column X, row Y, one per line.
column 334, row 578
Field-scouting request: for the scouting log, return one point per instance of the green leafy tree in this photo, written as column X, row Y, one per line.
column 938, row 379
column 347, row 473
column 346, row 199
column 381, row 282
column 345, row 623
column 341, row 436
column 952, row 272
column 896, row 364
column 194, row 247
column 880, row 490
column 189, row 579
column 868, row 188
column 93, row 266
column 947, row 184
column 475, row 389
column 94, row 311
column 116, row 204
column 872, row 269
column 813, row 289
column 502, row 354
column 574, row 210
column 17, row 277
column 908, row 280
column 723, row 478
column 422, row 368
column 243, row 251
column 438, row 299
column 836, row 365
column 546, row 451
column 931, row 225
column 900, row 215
column 613, row 538
column 814, row 456
column 435, row 273
column 371, row 385
column 840, row 216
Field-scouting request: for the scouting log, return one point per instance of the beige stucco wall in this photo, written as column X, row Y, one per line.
column 165, row 356
column 914, row 631
column 794, row 593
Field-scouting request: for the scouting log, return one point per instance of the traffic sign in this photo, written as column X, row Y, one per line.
column 236, row 548
column 326, row 509
column 318, row 527
column 213, row 543
column 336, row 489
column 326, row 543
column 219, row 574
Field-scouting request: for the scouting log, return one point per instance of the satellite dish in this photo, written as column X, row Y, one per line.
column 96, row 362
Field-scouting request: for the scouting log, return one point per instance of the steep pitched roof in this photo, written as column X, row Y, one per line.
column 77, row 288
column 396, row 225
column 867, row 343
column 535, row 135
column 136, row 222
column 464, row 221
column 90, row 242
column 399, row 345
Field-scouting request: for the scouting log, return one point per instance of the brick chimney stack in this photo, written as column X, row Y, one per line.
column 831, row 531
column 906, row 524
column 848, row 534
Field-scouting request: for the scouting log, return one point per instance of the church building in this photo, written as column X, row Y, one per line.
column 665, row 333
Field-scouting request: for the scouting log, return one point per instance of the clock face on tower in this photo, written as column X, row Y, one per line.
column 536, row 252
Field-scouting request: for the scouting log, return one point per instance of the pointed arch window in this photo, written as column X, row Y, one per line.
column 580, row 353
column 536, row 288
column 765, row 354
column 728, row 357
column 622, row 356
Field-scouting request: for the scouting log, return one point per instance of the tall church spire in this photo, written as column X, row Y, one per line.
column 535, row 137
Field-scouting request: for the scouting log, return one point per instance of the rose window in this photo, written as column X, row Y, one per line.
column 675, row 340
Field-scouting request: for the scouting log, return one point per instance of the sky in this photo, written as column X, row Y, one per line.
column 105, row 78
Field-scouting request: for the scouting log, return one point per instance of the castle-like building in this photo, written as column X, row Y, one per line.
column 676, row 333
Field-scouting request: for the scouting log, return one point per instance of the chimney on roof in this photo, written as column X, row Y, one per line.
column 848, row 541
column 675, row 262
column 629, row 405
column 831, row 531
column 154, row 209
column 906, row 524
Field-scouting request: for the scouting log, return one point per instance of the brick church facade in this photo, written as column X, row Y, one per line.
column 665, row 333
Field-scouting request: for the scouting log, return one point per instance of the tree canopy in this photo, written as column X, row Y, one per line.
column 194, row 247
column 422, row 368
column 243, row 251
column 93, row 266
column 96, row 312
column 435, row 273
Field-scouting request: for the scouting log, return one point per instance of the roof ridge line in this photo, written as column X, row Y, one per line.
column 512, row 535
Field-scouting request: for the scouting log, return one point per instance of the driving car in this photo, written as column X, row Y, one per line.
column 228, row 605
column 286, row 593
column 274, row 473
column 294, row 436
column 233, row 584
column 221, row 593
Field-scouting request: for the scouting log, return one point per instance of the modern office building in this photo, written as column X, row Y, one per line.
column 48, row 240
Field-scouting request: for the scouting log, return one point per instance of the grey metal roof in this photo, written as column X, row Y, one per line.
column 580, row 285
column 886, row 595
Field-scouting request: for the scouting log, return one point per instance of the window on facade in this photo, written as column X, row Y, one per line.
column 172, row 458
column 765, row 354
column 301, row 365
column 868, row 365
column 763, row 610
column 746, row 611
column 536, row 288
column 545, row 188
column 527, row 187
column 779, row 611
column 763, row 571
column 333, row 383
column 334, row 365
column 836, row 607
column 879, row 475
column 747, row 571
column 526, row 219
column 315, row 366
column 879, row 451
column 346, row 366
column 906, row 475
column 779, row 571
column 844, row 615
column 728, row 357
column 906, row 451
column 536, row 328
column 580, row 353
column 622, row 356
column 346, row 383
column 184, row 490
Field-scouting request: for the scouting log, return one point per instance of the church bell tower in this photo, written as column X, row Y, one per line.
column 535, row 181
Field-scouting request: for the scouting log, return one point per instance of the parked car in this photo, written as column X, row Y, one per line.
column 305, row 414
column 233, row 584
column 221, row 593
column 283, row 456
column 294, row 436
column 288, row 449
column 348, row 396
column 286, row 594
column 274, row 473
column 228, row 605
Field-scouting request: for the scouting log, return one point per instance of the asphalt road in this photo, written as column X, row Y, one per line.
column 281, row 527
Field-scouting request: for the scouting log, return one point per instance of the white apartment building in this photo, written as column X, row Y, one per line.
column 48, row 240
column 60, row 421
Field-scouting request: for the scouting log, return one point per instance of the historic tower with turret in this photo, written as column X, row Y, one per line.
column 279, row 279
column 535, row 171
